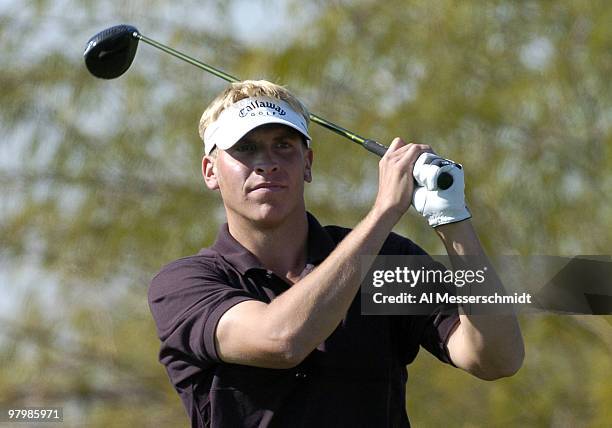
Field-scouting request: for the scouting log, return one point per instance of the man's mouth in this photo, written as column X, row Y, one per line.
column 268, row 187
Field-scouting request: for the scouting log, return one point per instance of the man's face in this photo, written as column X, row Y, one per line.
column 261, row 178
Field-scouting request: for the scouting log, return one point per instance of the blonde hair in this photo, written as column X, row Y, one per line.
column 246, row 89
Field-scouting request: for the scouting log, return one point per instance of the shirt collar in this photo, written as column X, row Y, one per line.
column 320, row 244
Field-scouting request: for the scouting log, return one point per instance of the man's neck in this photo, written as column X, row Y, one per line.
column 281, row 248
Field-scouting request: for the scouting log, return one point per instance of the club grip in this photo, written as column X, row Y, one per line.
column 375, row 147
column 427, row 172
column 444, row 179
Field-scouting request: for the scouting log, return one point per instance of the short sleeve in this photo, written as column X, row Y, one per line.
column 429, row 331
column 187, row 298
column 436, row 331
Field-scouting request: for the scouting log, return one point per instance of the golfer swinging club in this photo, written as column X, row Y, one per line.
column 264, row 328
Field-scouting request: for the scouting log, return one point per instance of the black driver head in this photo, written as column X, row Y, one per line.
column 110, row 52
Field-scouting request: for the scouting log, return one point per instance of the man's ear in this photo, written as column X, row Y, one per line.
column 308, row 166
column 209, row 172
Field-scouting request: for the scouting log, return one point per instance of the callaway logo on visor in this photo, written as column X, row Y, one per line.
column 247, row 114
column 261, row 107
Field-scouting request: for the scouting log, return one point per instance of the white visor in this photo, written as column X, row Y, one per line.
column 241, row 117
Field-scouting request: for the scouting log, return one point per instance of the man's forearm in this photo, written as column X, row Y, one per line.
column 312, row 308
column 488, row 346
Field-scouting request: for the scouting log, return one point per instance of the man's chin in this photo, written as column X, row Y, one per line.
column 268, row 215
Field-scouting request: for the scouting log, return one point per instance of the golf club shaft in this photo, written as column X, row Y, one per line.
column 370, row 145
column 186, row 58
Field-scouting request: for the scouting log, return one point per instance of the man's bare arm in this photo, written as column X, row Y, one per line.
column 487, row 346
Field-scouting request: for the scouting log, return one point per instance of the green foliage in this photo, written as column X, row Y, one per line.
column 100, row 179
column 564, row 381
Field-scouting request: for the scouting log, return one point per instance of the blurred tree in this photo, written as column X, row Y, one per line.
column 100, row 179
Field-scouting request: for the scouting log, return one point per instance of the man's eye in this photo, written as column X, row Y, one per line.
column 244, row 148
column 283, row 144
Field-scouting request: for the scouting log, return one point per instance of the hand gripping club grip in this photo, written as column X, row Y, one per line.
column 431, row 171
column 426, row 169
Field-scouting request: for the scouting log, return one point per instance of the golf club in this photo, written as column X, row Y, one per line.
column 110, row 53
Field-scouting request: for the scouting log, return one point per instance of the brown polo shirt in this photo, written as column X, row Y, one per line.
column 355, row 378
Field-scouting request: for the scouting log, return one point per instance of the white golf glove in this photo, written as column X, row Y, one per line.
column 436, row 205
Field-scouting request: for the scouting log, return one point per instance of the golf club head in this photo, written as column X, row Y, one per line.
column 110, row 52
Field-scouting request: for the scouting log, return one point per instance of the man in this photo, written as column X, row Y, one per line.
column 264, row 327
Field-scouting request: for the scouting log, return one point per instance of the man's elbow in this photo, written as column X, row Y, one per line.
column 286, row 352
column 501, row 367
column 497, row 373
column 287, row 357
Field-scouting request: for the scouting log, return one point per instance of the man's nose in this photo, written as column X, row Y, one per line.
column 265, row 163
